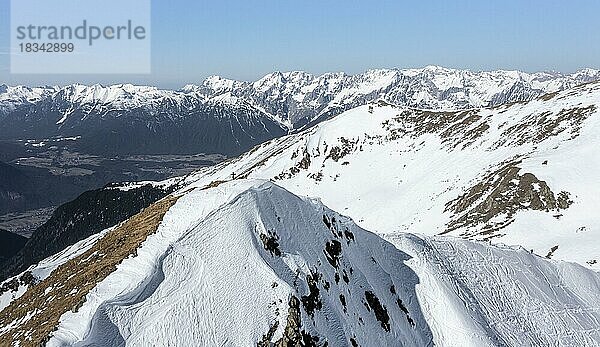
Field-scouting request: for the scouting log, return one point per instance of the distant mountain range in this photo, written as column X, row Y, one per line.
column 228, row 117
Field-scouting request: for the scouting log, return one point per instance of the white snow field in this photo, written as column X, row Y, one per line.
column 226, row 262
column 396, row 170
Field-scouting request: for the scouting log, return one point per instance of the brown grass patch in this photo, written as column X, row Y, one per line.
column 35, row 315
column 214, row 184
column 548, row 96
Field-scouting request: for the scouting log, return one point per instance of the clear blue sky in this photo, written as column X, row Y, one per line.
column 244, row 39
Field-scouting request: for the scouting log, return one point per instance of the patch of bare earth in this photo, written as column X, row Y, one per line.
column 454, row 127
column 491, row 204
column 346, row 147
column 548, row 96
column 31, row 319
column 536, row 128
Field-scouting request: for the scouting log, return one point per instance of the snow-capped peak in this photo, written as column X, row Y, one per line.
column 116, row 94
column 13, row 97
column 220, row 85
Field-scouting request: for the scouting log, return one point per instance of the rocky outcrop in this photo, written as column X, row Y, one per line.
column 491, row 204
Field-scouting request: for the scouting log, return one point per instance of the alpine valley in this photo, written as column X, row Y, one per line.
column 412, row 207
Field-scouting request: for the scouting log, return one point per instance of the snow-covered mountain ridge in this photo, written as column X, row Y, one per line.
column 247, row 263
column 523, row 174
column 299, row 98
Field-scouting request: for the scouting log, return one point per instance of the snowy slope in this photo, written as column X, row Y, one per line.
column 247, row 263
column 475, row 294
column 521, row 174
column 241, row 259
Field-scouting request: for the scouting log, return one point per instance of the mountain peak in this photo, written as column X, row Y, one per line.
column 437, row 68
column 249, row 263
